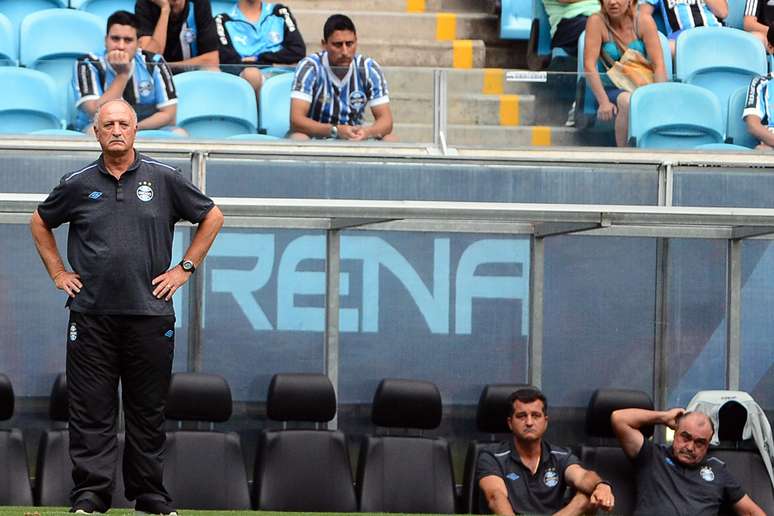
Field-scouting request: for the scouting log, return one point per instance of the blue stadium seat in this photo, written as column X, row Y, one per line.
column 539, row 52
column 719, row 59
column 729, row 147
column 9, row 51
column 27, row 101
column 215, row 104
column 586, row 103
column 104, row 8
column 158, row 133
column 671, row 115
column 736, row 128
column 735, row 18
column 51, row 40
column 60, row 132
column 275, row 105
column 515, row 19
column 252, row 136
column 222, row 6
column 17, row 10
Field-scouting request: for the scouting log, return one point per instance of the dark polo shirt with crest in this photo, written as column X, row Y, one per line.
column 666, row 488
column 121, row 231
column 541, row 493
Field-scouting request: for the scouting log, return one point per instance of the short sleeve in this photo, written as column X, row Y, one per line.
column 165, row 92
column 304, row 81
column 645, row 456
column 146, row 17
column 85, row 83
column 207, row 35
column 487, row 465
column 732, row 489
column 756, row 93
column 188, row 201
column 55, row 210
column 377, row 84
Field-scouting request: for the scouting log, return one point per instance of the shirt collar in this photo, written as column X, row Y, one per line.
column 545, row 453
column 134, row 166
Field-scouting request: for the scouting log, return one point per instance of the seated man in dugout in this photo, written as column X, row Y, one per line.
column 757, row 106
column 681, row 478
column 332, row 88
column 526, row 474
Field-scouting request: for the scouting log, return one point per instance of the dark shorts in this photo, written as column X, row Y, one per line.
column 567, row 34
column 612, row 94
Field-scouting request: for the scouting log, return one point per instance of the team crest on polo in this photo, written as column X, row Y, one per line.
column 551, row 478
column 144, row 191
column 73, row 332
column 707, row 474
column 145, row 88
column 275, row 37
column 357, row 100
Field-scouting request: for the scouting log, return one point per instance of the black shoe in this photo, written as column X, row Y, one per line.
column 145, row 507
column 84, row 507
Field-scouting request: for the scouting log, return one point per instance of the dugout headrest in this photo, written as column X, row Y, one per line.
column 6, row 398
column 493, row 407
column 198, row 397
column 602, row 404
column 58, row 403
column 732, row 418
column 301, row 397
column 402, row 403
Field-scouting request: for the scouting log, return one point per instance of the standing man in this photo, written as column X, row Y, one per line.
column 183, row 31
column 332, row 88
column 528, row 475
column 124, row 71
column 122, row 210
column 680, row 479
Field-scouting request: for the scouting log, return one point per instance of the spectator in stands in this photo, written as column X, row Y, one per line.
column 686, row 14
column 183, row 31
column 568, row 20
column 124, row 71
column 678, row 479
column 528, row 475
column 758, row 17
column 332, row 88
column 756, row 109
column 611, row 31
column 256, row 34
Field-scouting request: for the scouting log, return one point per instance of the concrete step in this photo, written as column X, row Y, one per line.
column 435, row 54
column 489, row 81
column 343, row 6
column 463, row 135
column 394, row 26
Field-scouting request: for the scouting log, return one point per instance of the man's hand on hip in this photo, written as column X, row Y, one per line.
column 70, row 282
column 168, row 283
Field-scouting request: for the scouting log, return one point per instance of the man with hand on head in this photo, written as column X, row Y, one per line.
column 526, row 474
column 679, row 479
column 122, row 210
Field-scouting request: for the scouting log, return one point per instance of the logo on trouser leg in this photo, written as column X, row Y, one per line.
column 73, row 332
column 169, row 334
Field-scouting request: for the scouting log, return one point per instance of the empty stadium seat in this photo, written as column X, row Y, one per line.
column 493, row 411
column 719, row 59
column 728, row 147
column 275, row 105
column 203, row 469
column 158, row 133
column 59, row 132
column 54, row 480
column 9, row 52
column 27, row 101
column 316, row 459
column 104, row 8
column 515, row 19
column 603, row 454
column 671, row 115
column 14, row 476
column 736, row 127
column 17, row 10
column 402, row 473
column 252, row 136
column 51, row 40
column 215, row 104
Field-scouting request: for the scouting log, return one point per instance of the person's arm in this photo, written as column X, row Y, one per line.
column 120, row 61
column 496, row 495
column 646, row 9
column 628, row 422
column 206, row 40
column 165, row 116
column 293, row 47
column 45, row 243
column 751, row 24
column 719, row 8
column 649, row 34
column 591, row 52
column 300, row 122
column 210, row 61
column 600, row 494
column 746, row 507
column 758, row 131
column 168, row 283
column 382, row 125
column 156, row 42
column 579, row 504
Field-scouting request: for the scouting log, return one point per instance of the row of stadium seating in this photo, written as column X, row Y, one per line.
column 407, row 473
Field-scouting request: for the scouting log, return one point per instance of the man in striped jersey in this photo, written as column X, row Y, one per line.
column 757, row 109
column 124, row 71
column 332, row 88
column 680, row 15
column 758, row 15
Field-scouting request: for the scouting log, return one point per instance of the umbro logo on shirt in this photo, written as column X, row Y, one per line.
column 95, row 195
column 512, row 476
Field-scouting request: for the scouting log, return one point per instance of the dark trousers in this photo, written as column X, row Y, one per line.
column 568, row 33
column 101, row 350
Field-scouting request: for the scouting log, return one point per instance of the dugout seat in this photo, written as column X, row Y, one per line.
column 27, row 101
column 275, row 105
column 316, row 459
column 9, row 52
column 203, row 469
column 215, row 104
column 104, row 8
column 54, row 479
column 736, row 127
column 603, row 454
column 14, row 476
column 670, row 115
column 491, row 416
column 406, row 473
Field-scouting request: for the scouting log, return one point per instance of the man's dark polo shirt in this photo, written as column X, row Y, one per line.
column 206, row 34
column 121, row 231
column 542, row 493
column 665, row 488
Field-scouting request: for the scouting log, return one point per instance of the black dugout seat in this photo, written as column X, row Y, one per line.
column 14, row 476
column 403, row 473
column 603, row 453
column 493, row 411
column 54, row 479
column 303, row 470
column 203, row 469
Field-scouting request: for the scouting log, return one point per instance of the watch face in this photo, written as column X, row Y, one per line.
column 187, row 265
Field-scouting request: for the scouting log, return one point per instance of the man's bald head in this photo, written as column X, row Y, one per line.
column 111, row 102
column 692, row 437
column 699, row 419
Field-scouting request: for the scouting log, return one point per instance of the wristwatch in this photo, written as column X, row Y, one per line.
column 188, row 266
column 334, row 132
